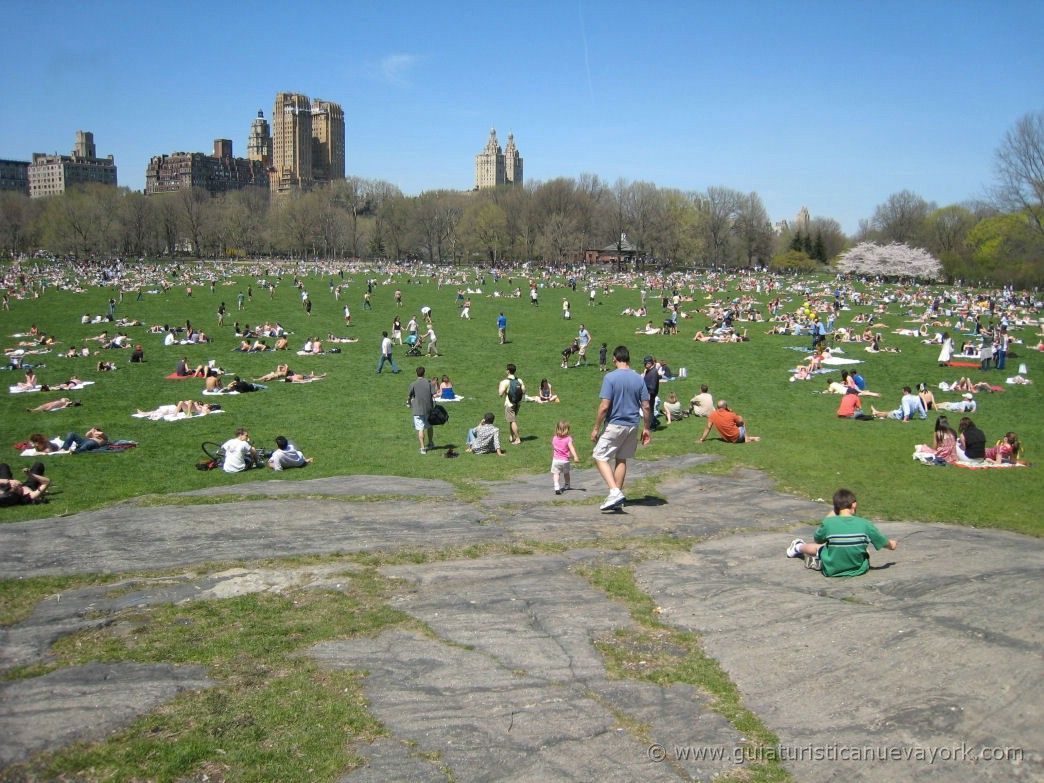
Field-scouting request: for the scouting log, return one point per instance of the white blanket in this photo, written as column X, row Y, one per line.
column 155, row 416
column 77, row 387
column 837, row 360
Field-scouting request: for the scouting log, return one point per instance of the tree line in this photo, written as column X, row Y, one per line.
column 1000, row 238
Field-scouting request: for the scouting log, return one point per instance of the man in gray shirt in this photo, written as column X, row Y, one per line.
column 421, row 402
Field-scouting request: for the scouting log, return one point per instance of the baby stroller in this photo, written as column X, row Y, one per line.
column 412, row 343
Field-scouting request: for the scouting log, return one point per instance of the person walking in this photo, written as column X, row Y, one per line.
column 583, row 339
column 421, row 403
column 624, row 406
column 502, row 328
column 386, row 355
column 513, row 390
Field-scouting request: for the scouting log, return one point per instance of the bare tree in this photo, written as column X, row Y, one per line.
column 1020, row 169
column 901, row 218
column 718, row 208
column 753, row 230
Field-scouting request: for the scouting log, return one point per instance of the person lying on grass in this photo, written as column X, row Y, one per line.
column 841, row 540
column 54, row 405
column 14, row 492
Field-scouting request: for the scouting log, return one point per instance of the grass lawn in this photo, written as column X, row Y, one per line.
column 356, row 422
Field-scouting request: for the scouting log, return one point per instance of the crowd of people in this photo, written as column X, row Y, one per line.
column 709, row 308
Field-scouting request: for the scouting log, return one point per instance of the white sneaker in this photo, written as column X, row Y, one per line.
column 794, row 549
column 613, row 500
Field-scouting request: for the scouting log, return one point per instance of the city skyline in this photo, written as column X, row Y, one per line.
column 833, row 108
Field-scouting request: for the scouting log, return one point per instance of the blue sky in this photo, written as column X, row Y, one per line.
column 833, row 105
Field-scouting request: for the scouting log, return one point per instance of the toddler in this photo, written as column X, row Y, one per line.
column 562, row 449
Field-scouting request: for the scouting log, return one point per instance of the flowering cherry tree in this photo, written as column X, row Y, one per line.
column 894, row 260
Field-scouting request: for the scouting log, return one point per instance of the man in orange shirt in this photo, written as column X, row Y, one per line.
column 851, row 407
column 729, row 425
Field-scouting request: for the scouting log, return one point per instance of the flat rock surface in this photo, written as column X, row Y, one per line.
column 936, row 649
column 131, row 538
column 335, row 486
column 84, row 703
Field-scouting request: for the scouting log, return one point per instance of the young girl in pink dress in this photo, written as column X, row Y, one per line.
column 562, row 449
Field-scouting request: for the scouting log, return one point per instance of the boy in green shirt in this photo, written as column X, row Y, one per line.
column 841, row 540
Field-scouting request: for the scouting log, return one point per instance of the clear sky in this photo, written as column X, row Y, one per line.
column 833, row 105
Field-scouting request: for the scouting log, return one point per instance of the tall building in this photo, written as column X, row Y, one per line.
column 327, row 141
column 14, row 175
column 494, row 167
column 802, row 221
column 50, row 175
column 217, row 173
column 512, row 162
column 259, row 145
column 307, row 142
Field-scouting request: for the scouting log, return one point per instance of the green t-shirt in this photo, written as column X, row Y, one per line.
column 846, row 539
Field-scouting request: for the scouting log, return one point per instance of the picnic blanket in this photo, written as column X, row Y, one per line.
column 837, row 360
column 175, row 377
column 77, row 387
column 927, row 458
column 217, row 392
column 963, row 364
column 153, row 416
column 109, row 448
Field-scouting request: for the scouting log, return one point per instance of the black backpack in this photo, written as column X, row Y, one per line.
column 514, row 392
column 438, row 416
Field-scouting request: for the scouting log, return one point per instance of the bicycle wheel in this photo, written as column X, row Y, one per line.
column 211, row 449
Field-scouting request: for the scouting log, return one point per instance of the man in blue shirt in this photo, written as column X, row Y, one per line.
column 502, row 328
column 624, row 404
column 909, row 406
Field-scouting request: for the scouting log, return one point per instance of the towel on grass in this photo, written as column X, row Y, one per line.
column 153, row 416
column 77, row 387
column 836, row 360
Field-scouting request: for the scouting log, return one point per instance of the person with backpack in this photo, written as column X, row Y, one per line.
column 513, row 390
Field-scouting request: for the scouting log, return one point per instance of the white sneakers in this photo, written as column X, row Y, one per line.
column 613, row 500
column 794, row 550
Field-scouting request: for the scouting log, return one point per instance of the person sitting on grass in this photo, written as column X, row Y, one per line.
column 943, row 446
column 287, row 455
column 909, row 406
column 484, row 438
column 183, row 371
column 851, row 407
column 672, row 409
column 728, row 424
column 14, row 492
column 240, row 455
column 841, row 541
column 546, row 393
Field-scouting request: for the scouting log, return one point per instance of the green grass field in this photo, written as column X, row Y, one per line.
column 356, row 422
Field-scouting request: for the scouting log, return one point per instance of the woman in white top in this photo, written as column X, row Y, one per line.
column 947, row 349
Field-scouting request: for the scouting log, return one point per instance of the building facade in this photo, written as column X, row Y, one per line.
column 259, row 143
column 307, row 142
column 494, row 166
column 217, row 173
column 51, row 175
column 327, row 141
column 14, row 175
